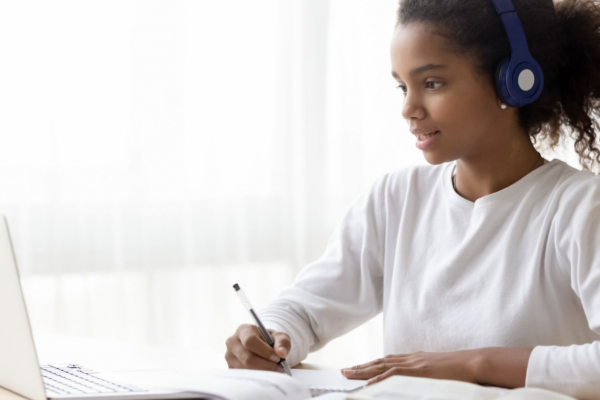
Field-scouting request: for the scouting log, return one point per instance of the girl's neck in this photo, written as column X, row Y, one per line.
column 480, row 177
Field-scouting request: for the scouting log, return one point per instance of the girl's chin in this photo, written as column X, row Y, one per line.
column 436, row 158
column 433, row 158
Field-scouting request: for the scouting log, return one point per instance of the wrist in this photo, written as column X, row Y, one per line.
column 479, row 366
column 500, row 366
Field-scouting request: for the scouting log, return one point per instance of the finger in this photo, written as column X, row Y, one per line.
column 249, row 360
column 391, row 358
column 367, row 372
column 283, row 344
column 391, row 372
column 252, row 340
column 232, row 361
column 369, row 364
column 397, row 356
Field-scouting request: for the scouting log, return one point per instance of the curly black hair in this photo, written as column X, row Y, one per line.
column 563, row 37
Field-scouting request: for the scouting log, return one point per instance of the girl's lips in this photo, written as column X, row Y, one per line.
column 425, row 136
column 425, row 141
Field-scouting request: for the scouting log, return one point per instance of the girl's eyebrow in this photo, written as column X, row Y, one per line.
column 421, row 69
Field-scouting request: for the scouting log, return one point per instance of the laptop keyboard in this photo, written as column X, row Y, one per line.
column 76, row 379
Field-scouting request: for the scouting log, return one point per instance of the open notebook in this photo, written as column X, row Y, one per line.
column 243, row 384
column 410, row 388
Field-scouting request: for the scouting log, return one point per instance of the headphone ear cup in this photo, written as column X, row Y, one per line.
column 502, row 83
column 497, row 82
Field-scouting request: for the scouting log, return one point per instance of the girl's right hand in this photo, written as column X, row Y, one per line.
column 246, row 349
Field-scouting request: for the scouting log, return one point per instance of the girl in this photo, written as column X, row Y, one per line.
column 484, row 263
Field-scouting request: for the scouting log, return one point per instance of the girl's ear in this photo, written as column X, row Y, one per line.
column 496, row 79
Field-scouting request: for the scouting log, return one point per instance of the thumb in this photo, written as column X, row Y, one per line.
column 282, row 344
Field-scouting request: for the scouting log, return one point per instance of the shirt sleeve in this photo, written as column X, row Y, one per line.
column 575, row 370
column 340, row 290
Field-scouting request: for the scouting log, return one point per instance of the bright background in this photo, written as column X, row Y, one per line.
column 154, row 153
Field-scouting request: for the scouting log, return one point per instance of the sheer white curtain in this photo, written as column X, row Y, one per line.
column 156, row 152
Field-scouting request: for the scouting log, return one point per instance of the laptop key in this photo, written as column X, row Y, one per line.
column 104, row 384
column 135, row 389
column 82, row 379
column 77, row 379
column 51, row 388
column 63, row 387
column 73, row 386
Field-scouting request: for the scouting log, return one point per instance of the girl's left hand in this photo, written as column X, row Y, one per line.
column 457, row 365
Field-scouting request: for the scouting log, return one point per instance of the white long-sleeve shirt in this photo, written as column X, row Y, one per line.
column 516, row 268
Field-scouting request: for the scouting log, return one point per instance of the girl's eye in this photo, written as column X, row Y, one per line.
column 434, row 82
column 403, row 88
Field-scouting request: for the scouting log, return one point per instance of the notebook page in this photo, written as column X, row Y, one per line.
column 332, row 396
column 410, row 388
column 535, row 394
column 244, row 384
column 319, row 381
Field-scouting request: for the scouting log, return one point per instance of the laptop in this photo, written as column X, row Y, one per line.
column 21, row 373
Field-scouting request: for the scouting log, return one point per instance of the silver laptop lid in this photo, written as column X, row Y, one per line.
column 19, row 366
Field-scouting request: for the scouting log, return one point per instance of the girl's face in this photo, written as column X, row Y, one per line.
column 444, row 92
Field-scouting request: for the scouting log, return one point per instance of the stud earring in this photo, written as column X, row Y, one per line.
column 503, row 106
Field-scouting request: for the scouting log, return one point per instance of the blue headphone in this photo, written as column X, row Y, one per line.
column 519, row 80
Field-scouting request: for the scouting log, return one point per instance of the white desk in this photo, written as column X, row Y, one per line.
column 65, row 349
column 94, row 352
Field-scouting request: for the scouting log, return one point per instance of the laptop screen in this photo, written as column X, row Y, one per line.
column 19, row 367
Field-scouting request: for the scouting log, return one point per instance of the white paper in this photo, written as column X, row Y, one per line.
column 332, row 396
column 400, row 387
column 411, row 388
column 327, row 380
column 244, row 384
